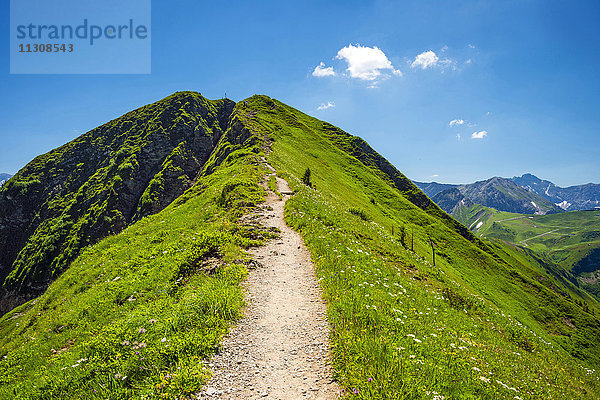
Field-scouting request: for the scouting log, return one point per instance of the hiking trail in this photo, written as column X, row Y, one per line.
column 280, row 348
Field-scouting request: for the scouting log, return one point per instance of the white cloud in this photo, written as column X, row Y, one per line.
column 469, row 61
column 324, row 106
column 458, row 137
column 366, row 63
column 488, row 113
column 434, row 175
column 447, row 62
column 455, row 122
column 443, row 49
column 471, row 45
column 321, row 70
column 427, row 59
column 479, row 135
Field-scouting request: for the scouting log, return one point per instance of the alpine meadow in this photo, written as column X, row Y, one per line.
column 123, row 257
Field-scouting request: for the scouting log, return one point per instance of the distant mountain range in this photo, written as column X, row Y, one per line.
column 499, row 193
column 526, row 194
column 572, row 198
column 4, row 178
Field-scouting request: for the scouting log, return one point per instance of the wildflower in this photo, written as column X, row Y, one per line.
column 476, row 369
column 483, row 378
column 125, row 343
column 141, row 330
column 163, row 340
column 370, row 379
column 356, row 391
column 152, row 321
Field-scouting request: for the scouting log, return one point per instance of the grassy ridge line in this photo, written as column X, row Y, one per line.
column 347, row 251
column 345, row 180
column 134, row 315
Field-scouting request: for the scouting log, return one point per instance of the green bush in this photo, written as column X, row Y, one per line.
column 359, row 213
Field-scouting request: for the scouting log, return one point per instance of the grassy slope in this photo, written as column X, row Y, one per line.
column 134, row 314
column 402, row 327
column 89, row 188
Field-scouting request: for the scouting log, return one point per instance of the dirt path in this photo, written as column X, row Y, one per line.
column 537, row 236
column 280, row 349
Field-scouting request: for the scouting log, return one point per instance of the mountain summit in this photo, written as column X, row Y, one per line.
column 100, row 183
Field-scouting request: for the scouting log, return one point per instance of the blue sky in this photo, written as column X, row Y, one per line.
column 520, row 76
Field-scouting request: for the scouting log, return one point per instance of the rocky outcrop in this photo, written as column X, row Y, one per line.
column 449, row 199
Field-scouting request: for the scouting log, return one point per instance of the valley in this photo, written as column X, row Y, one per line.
column 570, row 240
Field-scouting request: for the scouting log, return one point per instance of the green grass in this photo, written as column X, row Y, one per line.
column 563, row 237
column 272, row 183
column 472, row 327
column 404, row 329
column 571, row 240
column 134, row 316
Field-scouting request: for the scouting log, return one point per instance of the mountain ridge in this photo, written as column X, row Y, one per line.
column 571, row 198
column 400, row 323
column 499, row 193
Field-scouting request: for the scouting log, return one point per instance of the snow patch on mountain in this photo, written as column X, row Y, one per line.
column 564, row 205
